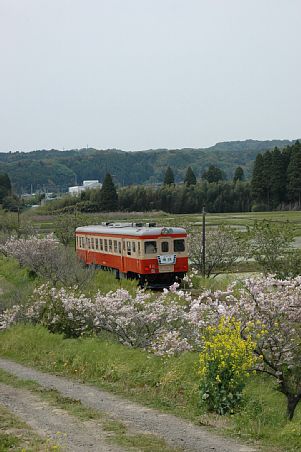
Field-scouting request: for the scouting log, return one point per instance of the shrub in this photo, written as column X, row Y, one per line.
column 225, row 363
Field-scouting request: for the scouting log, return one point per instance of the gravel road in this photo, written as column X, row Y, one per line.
column 62, row 429
column 176, row 432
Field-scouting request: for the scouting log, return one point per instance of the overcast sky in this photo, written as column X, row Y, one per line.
column 140, row 74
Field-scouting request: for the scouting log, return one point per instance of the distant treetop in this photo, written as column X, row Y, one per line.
column 169, row 177
column 109, row 197
column 190, row 178
column 239, row 174
column 213, row 174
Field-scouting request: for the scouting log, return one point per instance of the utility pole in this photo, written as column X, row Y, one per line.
column 204, row 242
column 18, row 217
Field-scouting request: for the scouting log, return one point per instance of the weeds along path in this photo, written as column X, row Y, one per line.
column 177, row 433
column 66, row 431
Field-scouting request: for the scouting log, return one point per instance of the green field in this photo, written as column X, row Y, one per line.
column 234, row 219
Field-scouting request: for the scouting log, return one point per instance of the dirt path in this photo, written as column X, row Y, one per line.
column 64, row 430
column 176, row 432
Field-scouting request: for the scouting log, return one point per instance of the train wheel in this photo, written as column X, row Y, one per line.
column 141, row 282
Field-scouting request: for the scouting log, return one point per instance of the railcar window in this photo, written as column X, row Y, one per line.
column 134, row 247
column 129, row 249
column 88, row 243
column 92, row 243
column 179, row 245
column 139, row 248
column 119, row 247
column 164, row 247
column 115, row 247
column 150, row 247
column 100, row 244
column 110, row 246
column 96, row 244
column 106, row 245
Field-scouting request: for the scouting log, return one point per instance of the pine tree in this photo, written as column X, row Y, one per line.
column 190, row 178
column 5, row 186
column 239, row 174
column 267, row 174
column 109, row 197
column 258, row 180
column 294, row 174
column 278, row 177
column 169, row 177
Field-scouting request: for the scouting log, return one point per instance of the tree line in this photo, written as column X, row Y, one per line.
column 55, row 171
column 276, row 178
column 188, row 197
column 275, row 184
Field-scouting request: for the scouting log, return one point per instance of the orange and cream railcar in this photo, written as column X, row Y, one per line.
column 156, row 256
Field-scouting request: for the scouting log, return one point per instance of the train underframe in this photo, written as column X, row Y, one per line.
column 150, row 281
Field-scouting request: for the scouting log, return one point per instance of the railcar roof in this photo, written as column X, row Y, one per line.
column 130, row 230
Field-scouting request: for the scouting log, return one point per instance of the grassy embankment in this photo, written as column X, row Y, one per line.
column 168, row 384
column 15, row 284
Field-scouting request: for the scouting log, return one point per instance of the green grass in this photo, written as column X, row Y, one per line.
column 168, row 384
column 105, row 281
column 118, row 432
column 17, row 435
column 15, row 284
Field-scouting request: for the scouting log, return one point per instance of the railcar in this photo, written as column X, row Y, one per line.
column 155, row 256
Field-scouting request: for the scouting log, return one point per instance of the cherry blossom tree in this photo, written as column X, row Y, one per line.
column 224, row 247
column 46, row 257
column 270, row 310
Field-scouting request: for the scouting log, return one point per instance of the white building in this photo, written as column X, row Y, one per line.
column 87, row 184
column 92, row 184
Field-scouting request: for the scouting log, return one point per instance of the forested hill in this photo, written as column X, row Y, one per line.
column 56, row 169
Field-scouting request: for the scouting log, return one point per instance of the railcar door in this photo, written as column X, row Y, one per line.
column 166, row 256
column 122, row 269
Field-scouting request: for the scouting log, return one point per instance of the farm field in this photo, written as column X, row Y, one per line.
column 239, row 220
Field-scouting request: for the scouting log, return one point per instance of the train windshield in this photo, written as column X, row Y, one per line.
column 150, row 247
column 179, row 245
